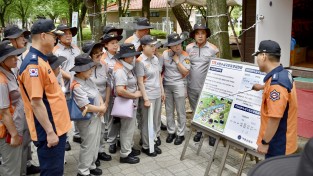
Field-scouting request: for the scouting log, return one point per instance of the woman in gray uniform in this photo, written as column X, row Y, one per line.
column 150, row 84
column 100, row 78
column 125, row 85
column 12, row 119
column 177, row 65
column 90, row 130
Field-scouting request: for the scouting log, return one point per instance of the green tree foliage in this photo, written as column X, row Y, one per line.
column 4, row 4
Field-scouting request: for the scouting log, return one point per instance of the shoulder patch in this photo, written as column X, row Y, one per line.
column 33, row 72
column 274, row 95
column 187, row 61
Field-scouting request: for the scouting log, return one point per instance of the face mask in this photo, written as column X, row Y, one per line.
column 127, row 65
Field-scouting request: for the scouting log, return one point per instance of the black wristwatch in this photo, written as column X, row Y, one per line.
column 264, row 142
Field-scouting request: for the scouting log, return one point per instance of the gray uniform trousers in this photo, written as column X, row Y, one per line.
column 26, row 151
column 12, row 159
column 156, row 121
column 113, row 128
column 90, row 131
column 193, row 96
column 128, row 126
column 175, row 99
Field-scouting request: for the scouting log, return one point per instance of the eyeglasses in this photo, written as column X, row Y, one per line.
column 53, row 35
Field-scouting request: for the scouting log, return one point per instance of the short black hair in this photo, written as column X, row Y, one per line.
column 273, row 57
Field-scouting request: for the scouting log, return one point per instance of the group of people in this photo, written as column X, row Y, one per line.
column 36, row 84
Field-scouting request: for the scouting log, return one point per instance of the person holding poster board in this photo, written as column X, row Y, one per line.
column 200, row 52
column 278, row 130
column 148, row 73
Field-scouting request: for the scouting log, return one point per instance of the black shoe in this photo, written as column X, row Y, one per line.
column 112, row 148
column 212, row 141
column 118, row 143
column 197, row 137
column 158, row 142
column 77, row 139
column 147, row 152
column 179, row 140
column 170, row 138
column 130, row 159
column 163, row 127
column 96, row 171
column 104, row 157
column 32, row 170
column 97, row 162
column 157, row 150
column 67, row 146
column 134, row 152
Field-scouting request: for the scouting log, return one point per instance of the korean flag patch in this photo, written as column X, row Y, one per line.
column 274, row 95
column 33, row 72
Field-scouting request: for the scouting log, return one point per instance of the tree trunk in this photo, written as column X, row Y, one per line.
column 120, row 12
column 70, row 10
column 146, row 9
column 95, row 18
column 2, row 19
column 219, row 26
column 182, row 18
column 83, row 11
column 105, row 4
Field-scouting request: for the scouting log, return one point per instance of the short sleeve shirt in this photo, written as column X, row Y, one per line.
column 199, row 63
column 134, row 40
column 11, row 98
column 100, row 77
column 110, row 61
column 69, row 53
column 149, row 69
column 124, row 76
column 37, row 80
column 172, row 76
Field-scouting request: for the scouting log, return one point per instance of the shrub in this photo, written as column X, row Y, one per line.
column 158, row 34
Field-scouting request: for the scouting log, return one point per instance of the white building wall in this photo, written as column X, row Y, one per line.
column 276, row 25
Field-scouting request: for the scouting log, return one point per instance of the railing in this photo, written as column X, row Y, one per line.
column 157, row 25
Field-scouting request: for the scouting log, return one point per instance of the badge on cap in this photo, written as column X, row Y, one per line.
column 274, row 95
column 131, row 47
column 33, row 72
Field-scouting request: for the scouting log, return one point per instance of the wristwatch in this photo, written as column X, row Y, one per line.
column 264, row 142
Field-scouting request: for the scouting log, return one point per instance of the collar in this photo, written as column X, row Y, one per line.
column 271, row 73
column 206, row 45
column 110, row 55
column 8, row 74
column 128, row 67
column 38, row 53
column 144, row 57
column 65, row 47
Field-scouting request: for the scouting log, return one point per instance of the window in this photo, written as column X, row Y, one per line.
column 154, row 14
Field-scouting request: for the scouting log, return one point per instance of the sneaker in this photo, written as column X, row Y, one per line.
column 96, row 171
column 32, row 170
column 67, row 146
column 130, row 159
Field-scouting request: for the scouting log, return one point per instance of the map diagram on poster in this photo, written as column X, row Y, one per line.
column 227, row 103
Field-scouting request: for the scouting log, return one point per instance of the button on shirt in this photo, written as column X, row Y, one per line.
column 149, row 69
column 134, row 40
column 11, row 98
column 199, row 63
column 172, row 76
column 85, row 90
column 100, row 77
column 69, row 53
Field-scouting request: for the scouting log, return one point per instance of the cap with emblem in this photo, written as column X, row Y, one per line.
column 109, row 37
column 7, row 50
column 83, row 62
column 87, row 47
column 127, row 50
column 143, row 23
column 63, row 27
column 268, row 46
column 109, row 28
column 55, row 61
column 13, row 32
column 44, row 25
column 148, row 40
column 173, row 39
column 197, row 27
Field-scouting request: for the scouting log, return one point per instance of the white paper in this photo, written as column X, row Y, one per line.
column 150, row 129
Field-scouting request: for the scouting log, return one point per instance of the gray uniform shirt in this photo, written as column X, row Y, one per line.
column 172, row 76
column 100, row 77
column 86, row 89
column 108, row 58
column 10, row 93
column 149, row 69
column 199, row 62
column 134, row 40
column 124, row 76
column 69, row 54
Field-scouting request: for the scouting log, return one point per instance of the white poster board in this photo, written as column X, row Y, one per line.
column 233, row 116
column 74, row 24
